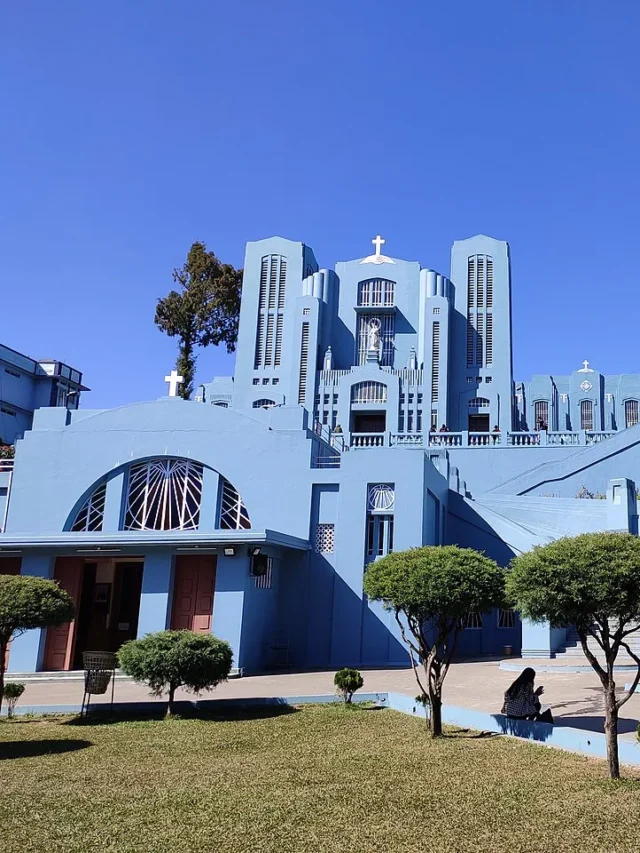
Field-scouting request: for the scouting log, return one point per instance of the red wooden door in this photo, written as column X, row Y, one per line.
column 9, row 566
column 193, row 592
column 58, row 650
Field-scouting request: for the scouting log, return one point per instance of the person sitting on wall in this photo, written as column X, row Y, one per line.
column 522, row 702
column 444, row 428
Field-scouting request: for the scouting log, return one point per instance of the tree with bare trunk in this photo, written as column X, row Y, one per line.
column 28, row 602
column 432, row 591
column 590, row 582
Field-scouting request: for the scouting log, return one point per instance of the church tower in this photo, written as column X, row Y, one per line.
column 481, row 377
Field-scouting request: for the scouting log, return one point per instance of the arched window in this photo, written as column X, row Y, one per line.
column 586, row 414
column 541, row 414
column 233, row 512
column 263, row 404
column 369, row 392
column 164, row 494
column 630, row 413
column 90, row 516
column 478, row 403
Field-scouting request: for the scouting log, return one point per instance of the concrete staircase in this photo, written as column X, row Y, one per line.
column 573, row 650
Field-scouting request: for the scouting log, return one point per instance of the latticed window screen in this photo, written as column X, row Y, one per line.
column 271, row 301
column 376, row 292
column 164, row 494
column 478, row 403
column 233, row 512
column 506, row 618
column 631, row 413
column 325, row 536
column 387, row 333
column 435, row 361
column 91, row 514
column 541, row 414
column 263, row 404
column 586, row 414
column 369, row 392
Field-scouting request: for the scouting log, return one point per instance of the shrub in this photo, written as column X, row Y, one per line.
column 171, row 659
column 12, row 692
column 347, row 681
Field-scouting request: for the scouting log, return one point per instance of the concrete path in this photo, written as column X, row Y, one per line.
column 575, row 698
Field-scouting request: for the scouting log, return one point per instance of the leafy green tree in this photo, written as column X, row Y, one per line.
column 203, row 311
column 592, row 582
column 28, row 602
column 431, row 591
column 347, row 681
column 167, row 660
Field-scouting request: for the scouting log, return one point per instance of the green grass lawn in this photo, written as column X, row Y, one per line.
column 324, row 778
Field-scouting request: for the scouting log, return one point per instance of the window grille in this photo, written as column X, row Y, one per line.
column 233, row 512
column 480, row 282
column 325, row 537
column 379, row 535
column 304, row 358
column 263, row 404
column 472, row 621
column 164, row 494
column 278, row 353
column 506, row 618
column 488, row 333
column 368, row 392
column 271, row 300
column 265, row 381
column 471, row 281
column 275, row 381
column 479, row 318
column 376, row 292
column 256, row 380
column 265, row 580
column 387, row 330
column 586, row 414
column 91, row 514
column 489, row 282
column 435, row 361
column 488, row 379
column 478, row 403
column 306, row 311
column 631, row 413
column 471, row 380
column 436, row 310
column 470, row 347
column 541, row 414
column 381, row 497
column 269, row 341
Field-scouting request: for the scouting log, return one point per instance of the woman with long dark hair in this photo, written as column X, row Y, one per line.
column 522, row 702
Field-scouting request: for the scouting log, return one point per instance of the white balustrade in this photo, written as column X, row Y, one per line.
column 367, row 439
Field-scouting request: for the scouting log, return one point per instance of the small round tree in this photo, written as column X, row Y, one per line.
column 13, row 690
column 171, row 659
column 347, row 681
column 28, row 602
column 592, row 582
column 431, row 591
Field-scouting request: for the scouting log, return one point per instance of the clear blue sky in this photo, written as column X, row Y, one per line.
column 131, row 129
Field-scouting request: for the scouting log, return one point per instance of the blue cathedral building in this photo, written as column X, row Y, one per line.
column 373, row 408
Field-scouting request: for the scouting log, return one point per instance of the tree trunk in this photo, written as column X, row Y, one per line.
column 611, row 729
column 172, row 693
column 435, row 718
column 3, row 659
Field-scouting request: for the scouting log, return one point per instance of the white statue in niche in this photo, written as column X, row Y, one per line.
column 374, row 334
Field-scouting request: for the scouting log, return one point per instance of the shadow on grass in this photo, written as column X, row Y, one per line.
column 211, row 712
column 37, row 748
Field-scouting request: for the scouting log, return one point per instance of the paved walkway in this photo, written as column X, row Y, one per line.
column 575, row 698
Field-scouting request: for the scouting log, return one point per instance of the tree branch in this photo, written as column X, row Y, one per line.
column 636, row 679
column 593, row 660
